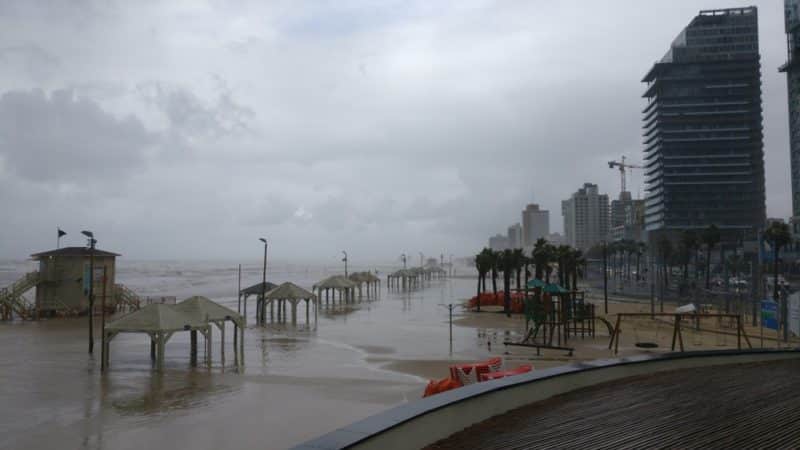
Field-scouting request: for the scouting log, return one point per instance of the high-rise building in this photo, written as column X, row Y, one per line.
column 535, row 224
column 586, row 217
column 498, row 242
column 627, row 218
column 703, row 140
column 792, row 70
column 515, row 236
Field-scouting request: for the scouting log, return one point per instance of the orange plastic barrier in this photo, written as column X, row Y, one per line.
column 437, row 386
column 488, row 299
column 470, row 373
column 506, row 373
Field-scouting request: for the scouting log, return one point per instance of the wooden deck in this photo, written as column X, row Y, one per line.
column 741, row 406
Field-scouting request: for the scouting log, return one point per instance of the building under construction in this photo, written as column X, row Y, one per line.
column 703, row 140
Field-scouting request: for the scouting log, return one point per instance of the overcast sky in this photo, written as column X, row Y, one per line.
column 184, row 130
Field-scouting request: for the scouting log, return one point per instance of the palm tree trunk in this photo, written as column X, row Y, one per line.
column 478, row 297
column 494, row 281
column 507, row 292
column 708, row 268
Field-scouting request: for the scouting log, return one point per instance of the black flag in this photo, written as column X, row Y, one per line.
column 61, row 233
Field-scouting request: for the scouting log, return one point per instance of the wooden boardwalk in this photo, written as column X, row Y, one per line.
column 740, row 406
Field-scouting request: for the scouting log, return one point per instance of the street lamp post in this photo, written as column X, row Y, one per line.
column 605, row 276
column 403, row 257
column 345, row 263
column 92, row 243
column 260, row 310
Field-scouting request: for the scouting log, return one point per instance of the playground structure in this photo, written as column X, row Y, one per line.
column 556, row 315
column 724, row 321
column 62, row 286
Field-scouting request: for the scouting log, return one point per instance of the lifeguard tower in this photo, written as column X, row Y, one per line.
column 62, row 285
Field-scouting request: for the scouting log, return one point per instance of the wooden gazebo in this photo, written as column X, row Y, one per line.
column 160, row 322
column 292, row 294
column 366, row 280
column 333, row 285
column 205, row 310
column 256, row 289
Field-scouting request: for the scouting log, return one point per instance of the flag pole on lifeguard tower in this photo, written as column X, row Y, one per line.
column 61, row 233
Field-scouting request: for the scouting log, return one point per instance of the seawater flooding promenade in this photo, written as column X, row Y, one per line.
column 296, row 383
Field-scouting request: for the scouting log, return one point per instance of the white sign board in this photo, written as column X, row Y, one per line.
column 794, row 313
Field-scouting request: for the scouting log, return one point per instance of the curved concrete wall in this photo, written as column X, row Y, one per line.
column 423, row 422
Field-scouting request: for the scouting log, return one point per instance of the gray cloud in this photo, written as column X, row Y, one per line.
column 64, row 138
column 377, row 127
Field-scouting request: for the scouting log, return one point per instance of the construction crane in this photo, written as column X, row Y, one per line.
column 622, row 166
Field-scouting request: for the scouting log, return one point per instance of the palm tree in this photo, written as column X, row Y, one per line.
column 710, row 238
column 641, row 247
column 519, row 263
column 562, row 254
column 494, row 260
column 665, row 252
column 550, row 252
column 505, row 261
column 540, row 257
column 691, row 242
column 779, row 236
column 577, row 261
column 483, row 264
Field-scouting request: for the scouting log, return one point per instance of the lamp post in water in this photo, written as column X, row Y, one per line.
column 345, row 263
column 92, row 243
column 260, row 310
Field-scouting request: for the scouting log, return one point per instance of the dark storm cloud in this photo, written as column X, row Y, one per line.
column 64, row 138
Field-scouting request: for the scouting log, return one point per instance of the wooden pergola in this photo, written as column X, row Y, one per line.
column 205, row 310
column 333, row 285
column 160, row 322
column 257, row 289
column 403, row 279
column 292, row 294
column 368, row 280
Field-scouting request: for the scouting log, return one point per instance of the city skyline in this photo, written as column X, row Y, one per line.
column 279, row 121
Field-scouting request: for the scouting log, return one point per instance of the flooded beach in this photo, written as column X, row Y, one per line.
column 296, row 382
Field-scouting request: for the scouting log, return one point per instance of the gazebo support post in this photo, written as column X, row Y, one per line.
column 152, row 349
column 160, row 358
column 221, row 326
column 193, row 347
column 307, row 324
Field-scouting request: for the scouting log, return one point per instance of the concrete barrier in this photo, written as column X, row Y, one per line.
column 425, row 421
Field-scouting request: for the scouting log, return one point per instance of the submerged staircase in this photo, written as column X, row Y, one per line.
column 11, row 297
column 126, row 299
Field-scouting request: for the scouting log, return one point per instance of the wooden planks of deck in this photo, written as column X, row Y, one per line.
column 736, row 406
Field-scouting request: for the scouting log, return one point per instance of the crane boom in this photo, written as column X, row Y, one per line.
column 622, row 165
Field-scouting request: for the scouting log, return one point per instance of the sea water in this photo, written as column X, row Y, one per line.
column 298, row 382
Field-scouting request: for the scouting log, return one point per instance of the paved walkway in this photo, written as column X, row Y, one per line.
column 741, row 406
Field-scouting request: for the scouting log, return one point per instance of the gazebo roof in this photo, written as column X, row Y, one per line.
column 155, row 318
column 370, row 277
column 256, row 288
column 359, row 277
column 335, row 282
column 289, row 291
column 202, row 308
